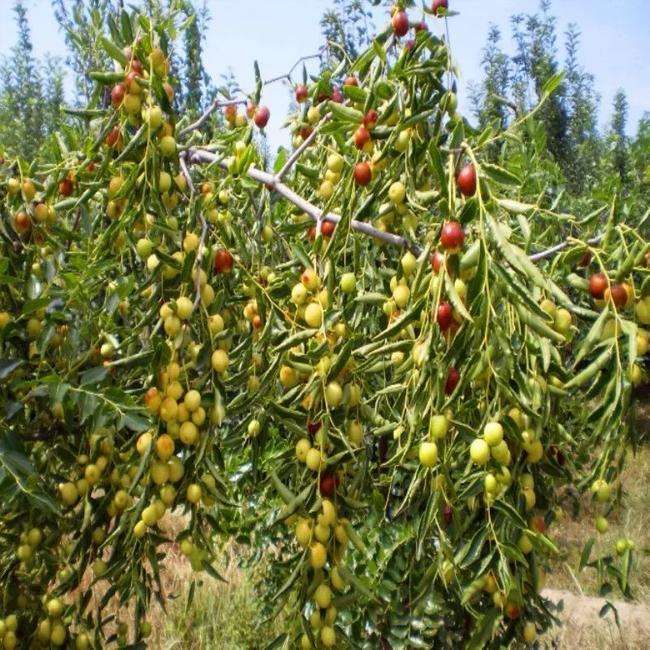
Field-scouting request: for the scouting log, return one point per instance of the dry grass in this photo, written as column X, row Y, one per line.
column 631, row 521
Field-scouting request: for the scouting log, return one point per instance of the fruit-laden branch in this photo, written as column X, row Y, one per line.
column 211, row 109
column 217, row 103
column 274, row 181
column 202, row 156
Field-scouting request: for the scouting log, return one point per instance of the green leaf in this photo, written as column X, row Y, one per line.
column 586, row 552
column 500, row 175
column 7, row 366
column 93, row 375
column 113, row 50
column 551, row 84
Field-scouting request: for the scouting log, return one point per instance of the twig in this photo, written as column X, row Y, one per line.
column 558, row 247
column 287, row 75
column 211, row 109
column 202, row 156
column 298, row 152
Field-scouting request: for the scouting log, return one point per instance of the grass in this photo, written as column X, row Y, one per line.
column 632, row 521
column 224, row 615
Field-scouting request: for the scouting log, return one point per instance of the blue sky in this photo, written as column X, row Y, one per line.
column 614, row 44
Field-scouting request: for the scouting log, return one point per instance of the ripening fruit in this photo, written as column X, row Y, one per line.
column 299, row 293
column 563, row 321
column 188, row 433
column 466, row 180
column 310, row 279
column 184, row 307
column 167, row 146
column 617, row 293
column 192, row 400
column 549, row 307
column 261, row 116
column 57, row 637
column 642, row 310
column 326, row 190
column 479, row 451
column 493, row 433
column 219, row 361
column 362, row 173
column 348, row 283
column 530, row 632
column 401, row 295
column 303, row 532
column 317, row 555
column 323, row 596
column 362, row 138
column 452, row 236
column 335, row 163
column 194, row 493
column 524, row 544
column 428, row 454
column 602, row 490
column 445, row 316
column 313, row 459
column 314, row 314
column 355, row 432
column 438, row 426
column 400, row 23
column 602, row 526
column 397, row 193
column 598, row 283
column 409, row 263
column 69, row 493
column 333, row 394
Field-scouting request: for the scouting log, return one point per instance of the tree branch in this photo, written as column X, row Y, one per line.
column 298, row 152
column 211, row 109
column 549, row 252
column 202, row 156
column 204, row 231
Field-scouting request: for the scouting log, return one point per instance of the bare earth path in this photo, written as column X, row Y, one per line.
column 583, row 628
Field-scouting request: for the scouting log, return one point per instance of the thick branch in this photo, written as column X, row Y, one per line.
column 202, row 156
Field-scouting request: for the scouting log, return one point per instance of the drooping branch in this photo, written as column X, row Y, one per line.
column 204, row 230
column 287, row 75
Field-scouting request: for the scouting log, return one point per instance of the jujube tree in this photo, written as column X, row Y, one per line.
column 379, row 363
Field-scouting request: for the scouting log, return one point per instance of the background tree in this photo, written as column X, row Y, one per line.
column 487, row 97
column 582, row 103
column 80, row 20
column 31, row 94
column 346, row 29
column 195, row 80
column 535, row 62
column 618, row 136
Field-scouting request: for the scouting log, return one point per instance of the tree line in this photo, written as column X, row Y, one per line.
column 589, row 160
